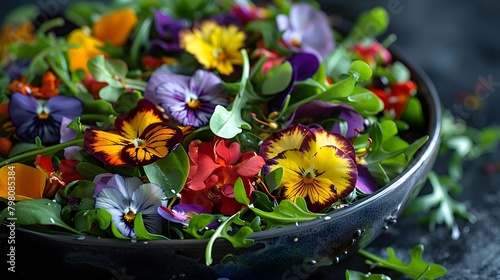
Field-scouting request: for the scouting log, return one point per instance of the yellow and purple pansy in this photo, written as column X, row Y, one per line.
column 141, row 137
column 318, row 166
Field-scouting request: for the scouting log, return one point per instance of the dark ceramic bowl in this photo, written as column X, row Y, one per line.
column 292, row 252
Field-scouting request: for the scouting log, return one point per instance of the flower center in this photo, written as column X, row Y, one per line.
column 219, row 54
column 194, row 104
column 138, row 142
column 129, row 216
column 43, row 116
column 296, row 39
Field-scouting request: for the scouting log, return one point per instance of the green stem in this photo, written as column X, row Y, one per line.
column 135, row 84
column 71, row 86
column 43, row 151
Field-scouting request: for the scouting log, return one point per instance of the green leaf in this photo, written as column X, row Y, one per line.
column 110, row 93
column 90, row 170
column 170, row 172
column 101, row 216
column 108, row 70
column 239, row 192
column 38, row 212
column 127, row 101
column 77, row 126
column 277, row 79
column 399, row 72
column 370, row 24
column 356, row 275
column 286, row 213
column 361, row 69
column 416, row 268
column 197, row 226
column 142, row 232
column 238, row 239
column 413, row 113
column 228, row 124
column 262, row 201
column 273, row 179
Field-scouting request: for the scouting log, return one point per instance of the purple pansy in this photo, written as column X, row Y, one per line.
column 168, row 30
column 188, row 100
column 183, row 213
column 306, row 29
column 41, row 118
column 124, row 198
column 318, row 109
column 304, row 66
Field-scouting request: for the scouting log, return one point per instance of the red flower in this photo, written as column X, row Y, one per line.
column 395, row 97
column 215, row 167
column 93, row 86
column 56, row 180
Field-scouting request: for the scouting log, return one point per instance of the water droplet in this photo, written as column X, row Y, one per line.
column 312, row 262
column 182, row 275
column 327, row 218
column 345, row 252
column 52, row 220
column 337, row 259
column 455, row 232
column 358, row 233
column 133, row 241
column 145, row 243
column 296, row 239
column 81, row 237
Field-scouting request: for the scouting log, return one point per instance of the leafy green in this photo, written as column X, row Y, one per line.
column 229, row 123
column 37, row 212
column 169, row 172
column 462, row 143
column 356, row 275
column 416, row 268
column 238, row 239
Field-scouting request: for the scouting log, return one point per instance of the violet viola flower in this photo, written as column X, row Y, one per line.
column 306, row 29
column 183, row 213
column 41, row 118
column 318, row 109
column 304, row 66
column 188, row 100
column 168, row 29
column 124, row 198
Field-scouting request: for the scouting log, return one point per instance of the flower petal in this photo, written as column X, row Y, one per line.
column 131, row 125
column 115, row 26
column 158, row 140
column 23, row 107
column 105, row 146
column 28, row 182
column 324, row 138
column 291, row 138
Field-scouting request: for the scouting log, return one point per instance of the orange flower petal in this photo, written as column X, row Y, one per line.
column 116, row 26
column 106, row 146
column 88, row 47
column 21, row 181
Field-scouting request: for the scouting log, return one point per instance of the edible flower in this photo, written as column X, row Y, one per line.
column 37, row 118
column 141, row 137
column 317, row 165
column 306, row 29
column 214, row 168
column 37, row 182
column 180, row 213
column 215, row 46
column 124, row 198
column 190, row 101
column 168, row 30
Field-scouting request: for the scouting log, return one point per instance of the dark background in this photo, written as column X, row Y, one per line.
column 458, row 44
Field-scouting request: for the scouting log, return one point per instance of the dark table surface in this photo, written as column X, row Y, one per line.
column 458, row 44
